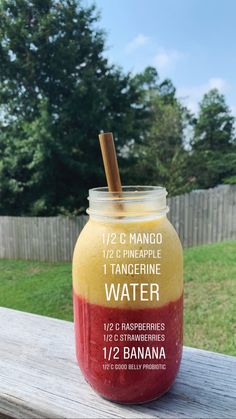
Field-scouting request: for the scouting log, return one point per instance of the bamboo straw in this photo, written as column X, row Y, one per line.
column 110, row 162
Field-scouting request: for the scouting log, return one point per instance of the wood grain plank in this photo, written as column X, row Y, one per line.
column 214, row 215
column 233, row 214
column 205, row 221
column 190, row 223
column 186, row 219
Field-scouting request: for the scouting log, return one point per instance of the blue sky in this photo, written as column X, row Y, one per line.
column 191, row 41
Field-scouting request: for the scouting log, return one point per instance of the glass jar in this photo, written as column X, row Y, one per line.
column 128, row 295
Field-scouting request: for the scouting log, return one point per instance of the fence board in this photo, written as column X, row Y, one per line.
column 233, row 212
column 200, row 217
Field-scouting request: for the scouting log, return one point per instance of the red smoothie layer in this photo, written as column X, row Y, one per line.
column 149, row 370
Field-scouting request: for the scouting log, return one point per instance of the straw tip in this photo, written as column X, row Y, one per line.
column 105, row 135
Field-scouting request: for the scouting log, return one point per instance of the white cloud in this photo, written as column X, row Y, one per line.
column 139, row 41
column 218, row 83
column 192, row 95
column 166, row 59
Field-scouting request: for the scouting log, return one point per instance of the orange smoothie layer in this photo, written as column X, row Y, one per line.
column 119, row 263
column 129, row 355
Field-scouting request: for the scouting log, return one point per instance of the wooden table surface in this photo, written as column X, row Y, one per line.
column 39, row 378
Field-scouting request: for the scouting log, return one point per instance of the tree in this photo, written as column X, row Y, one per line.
column 57, row 91
column 161, row 157
column 27, row 165
column 213, row 154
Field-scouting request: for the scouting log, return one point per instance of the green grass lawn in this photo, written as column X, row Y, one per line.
column 210, row 293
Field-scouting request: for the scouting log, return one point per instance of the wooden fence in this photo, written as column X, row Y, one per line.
column 204, row 216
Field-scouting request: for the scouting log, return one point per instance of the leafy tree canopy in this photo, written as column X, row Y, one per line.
column 213, row 156
column 57, row 89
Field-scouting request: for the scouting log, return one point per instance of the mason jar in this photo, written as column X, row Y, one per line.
column 128, row 295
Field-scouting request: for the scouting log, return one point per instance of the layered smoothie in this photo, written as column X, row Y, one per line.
column 128, row 306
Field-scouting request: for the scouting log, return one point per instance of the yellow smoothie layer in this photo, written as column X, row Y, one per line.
column 162, row 267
